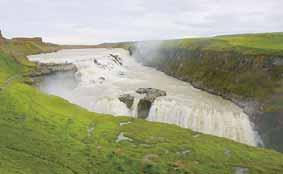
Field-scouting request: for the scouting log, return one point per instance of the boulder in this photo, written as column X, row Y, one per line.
column 144, row 106
column 151, row 93
column 145, row 103
column 241, row 170
column 127, row 99
column 96, row 62
column 122, row 137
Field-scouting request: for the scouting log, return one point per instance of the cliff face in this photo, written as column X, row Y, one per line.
column 2, row 39
column 50, row 68
column 250, row 78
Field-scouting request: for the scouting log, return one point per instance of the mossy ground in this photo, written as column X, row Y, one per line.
column 45, row 134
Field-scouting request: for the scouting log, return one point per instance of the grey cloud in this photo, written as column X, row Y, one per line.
column 93, row 21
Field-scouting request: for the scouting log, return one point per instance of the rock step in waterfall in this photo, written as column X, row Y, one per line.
column 144, row 103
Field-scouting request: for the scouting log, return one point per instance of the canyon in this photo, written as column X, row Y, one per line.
column 41, row 132
column 100, row 81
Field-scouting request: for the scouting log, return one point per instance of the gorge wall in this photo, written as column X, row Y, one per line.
column 251, row 78
column 2, row 39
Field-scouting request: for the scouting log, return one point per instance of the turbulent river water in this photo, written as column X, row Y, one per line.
column 100, row 81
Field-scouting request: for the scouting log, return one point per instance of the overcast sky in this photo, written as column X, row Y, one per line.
column 96, row 21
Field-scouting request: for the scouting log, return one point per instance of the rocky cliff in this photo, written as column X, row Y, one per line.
column 2, row 39
column 49, row 68
column 250, row 77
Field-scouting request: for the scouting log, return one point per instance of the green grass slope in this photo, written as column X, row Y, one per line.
column 262, row 43
column 45, row 134
column 8, row 67
column 270, row 41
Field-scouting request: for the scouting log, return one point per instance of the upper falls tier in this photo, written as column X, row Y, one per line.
column 103, row 75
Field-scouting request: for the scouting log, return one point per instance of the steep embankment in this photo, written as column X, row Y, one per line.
column 46, row 134
column 246, row 69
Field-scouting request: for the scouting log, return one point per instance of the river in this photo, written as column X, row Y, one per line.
column 100, row 81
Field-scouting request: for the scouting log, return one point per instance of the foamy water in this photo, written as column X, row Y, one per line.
column 97, row 86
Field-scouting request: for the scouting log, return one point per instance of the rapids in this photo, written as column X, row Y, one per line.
column 100, row 81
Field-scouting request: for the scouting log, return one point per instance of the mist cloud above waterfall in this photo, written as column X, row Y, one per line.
column 93, row 21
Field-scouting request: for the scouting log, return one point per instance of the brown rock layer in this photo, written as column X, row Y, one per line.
column 2, row 39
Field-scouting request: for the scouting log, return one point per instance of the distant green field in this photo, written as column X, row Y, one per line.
column 43, row 134
column 272, row 41
column 269, row 43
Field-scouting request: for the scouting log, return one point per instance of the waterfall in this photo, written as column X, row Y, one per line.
column 105, row 74
column 204, row 118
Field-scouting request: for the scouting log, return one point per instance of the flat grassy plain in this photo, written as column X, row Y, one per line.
column 45, row 134
column 249, row 44
column 270, row 41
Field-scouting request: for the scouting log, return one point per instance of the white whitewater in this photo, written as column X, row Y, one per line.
column 100, row 83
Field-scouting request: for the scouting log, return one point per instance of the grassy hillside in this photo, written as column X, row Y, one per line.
column 269, row 41
column 247, row 69
column 263, row 43
column 45, row 134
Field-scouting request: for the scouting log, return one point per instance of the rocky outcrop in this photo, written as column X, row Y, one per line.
column 127, row 99
column 2, row 39
column 145, row 103
column 46, row 69
column 116, row 59
column 151, row 93
column 144, row 108
column 96, row 62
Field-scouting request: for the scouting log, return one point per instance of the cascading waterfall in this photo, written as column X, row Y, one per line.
column 204, row 118
column 101, row 78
